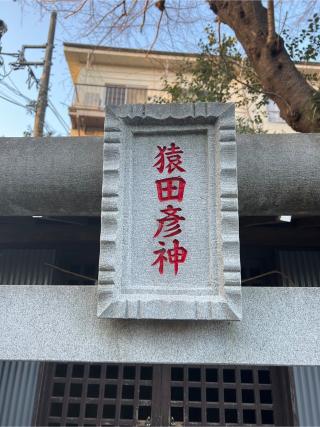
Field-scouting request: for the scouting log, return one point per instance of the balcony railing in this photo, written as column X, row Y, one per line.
column 97, row 96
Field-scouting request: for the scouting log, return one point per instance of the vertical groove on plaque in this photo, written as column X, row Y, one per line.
column 109, row 211
column 228, row 199
column 126, row 311
column 196, row 310
column 139, row 309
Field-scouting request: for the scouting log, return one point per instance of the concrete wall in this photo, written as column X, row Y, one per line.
column 280, row 326
column 303, row 268
column 277, row 175
column 18, row 379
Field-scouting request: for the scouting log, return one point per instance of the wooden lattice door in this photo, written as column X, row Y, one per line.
column 212, row 395
column 79, row 394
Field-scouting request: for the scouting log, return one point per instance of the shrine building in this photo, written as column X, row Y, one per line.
column 156, row 268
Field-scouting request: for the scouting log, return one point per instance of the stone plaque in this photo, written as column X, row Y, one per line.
column 169, row 220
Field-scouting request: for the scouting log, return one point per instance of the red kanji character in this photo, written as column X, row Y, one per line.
column 160, row 164
column 161, row 259
column 170, row 222
column 170, row 188
column 173, row 157
column 177, row 255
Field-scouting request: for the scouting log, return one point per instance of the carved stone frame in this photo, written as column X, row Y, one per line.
column 217, row 120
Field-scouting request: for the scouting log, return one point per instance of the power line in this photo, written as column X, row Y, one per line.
column 15, row 91
column 21, row 62
column 8, row 96
column 57, row 113
column 13, row 102
column 29, row 109
column 61, row 123
column 15, row 86
column 58, row 116
column 6, row 74
column 51, row 106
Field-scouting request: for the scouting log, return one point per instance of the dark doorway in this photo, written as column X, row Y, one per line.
column 78, row 394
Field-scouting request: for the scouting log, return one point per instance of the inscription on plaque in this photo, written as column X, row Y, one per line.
column 170, row 189
column 169, row 221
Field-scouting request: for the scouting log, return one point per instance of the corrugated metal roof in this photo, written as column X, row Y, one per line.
column 18, row 382
column 26, row 266
column 303, row 268
column 307, row 384
column 18, row 379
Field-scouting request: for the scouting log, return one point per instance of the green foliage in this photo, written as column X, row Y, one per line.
column 212, row 75
column 306, row 45
column 222, row 73
column 215, row 77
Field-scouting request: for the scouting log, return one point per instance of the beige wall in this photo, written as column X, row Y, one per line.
column 150, row 76
column 151, row 79
column 87, row 132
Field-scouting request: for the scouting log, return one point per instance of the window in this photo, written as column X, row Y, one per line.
column 131, row 395
column 115, row 95
column 119, row 95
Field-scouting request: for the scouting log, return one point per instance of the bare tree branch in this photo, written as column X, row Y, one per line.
column 157, row 31
column 109, row 12
column 253, row 24
column 77, row 9
column 145, row 8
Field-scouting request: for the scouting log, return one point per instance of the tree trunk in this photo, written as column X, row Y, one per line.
column 278, row 75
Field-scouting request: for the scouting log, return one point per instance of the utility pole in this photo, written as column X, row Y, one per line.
column 42, row 100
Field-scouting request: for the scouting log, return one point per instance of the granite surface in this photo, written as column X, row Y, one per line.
column 63, row 175
column 207, row 284
column 280, row 326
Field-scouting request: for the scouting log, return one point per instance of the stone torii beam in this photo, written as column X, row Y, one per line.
column 62, row 176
